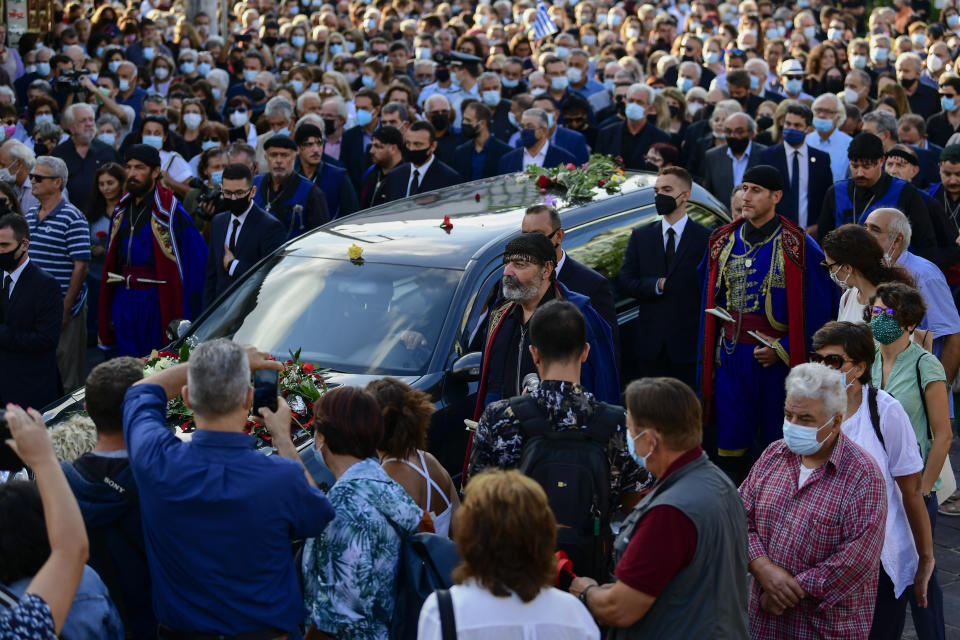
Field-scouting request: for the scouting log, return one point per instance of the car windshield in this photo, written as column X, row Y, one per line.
column 371, row 318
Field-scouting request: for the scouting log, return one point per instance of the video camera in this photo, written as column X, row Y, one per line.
column 209, row 194
column 444, row 59
column 70, row 82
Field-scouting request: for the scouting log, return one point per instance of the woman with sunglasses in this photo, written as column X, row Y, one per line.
column 854, row 260
column 879, row 424
column 916, row 379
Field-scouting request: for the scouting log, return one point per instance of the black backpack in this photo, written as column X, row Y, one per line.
column 572, row 467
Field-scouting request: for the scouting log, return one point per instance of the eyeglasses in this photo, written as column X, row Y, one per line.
column 236, row 195
column 36, row 177
column 828, row 266
column 832, row 360
column 877, row 310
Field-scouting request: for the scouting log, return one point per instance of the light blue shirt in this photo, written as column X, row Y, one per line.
column 740, row 165
column 836, row 146
column 456, row 99
column 431, row 89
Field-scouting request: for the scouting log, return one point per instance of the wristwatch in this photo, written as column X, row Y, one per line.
column 583, row 595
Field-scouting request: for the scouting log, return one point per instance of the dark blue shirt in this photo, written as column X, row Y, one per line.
column 218, row 518
column 477, row 160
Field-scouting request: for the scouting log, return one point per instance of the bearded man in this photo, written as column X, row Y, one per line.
column 155, row 265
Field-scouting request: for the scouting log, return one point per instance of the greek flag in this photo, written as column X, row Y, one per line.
column 543, row 26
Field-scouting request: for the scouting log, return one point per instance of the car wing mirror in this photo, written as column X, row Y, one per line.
column 466, row 368
column 177, row 329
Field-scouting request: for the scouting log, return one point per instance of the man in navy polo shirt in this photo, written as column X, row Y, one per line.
column 60, row 245
column 218, row 515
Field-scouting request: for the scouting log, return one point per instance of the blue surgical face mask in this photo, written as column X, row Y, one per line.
column 107, row 138
column 879, row 55
column 204, row 68
column 209, row 144
column 351, row 46
column 562, row 52
column 298, row 41
column 823, row 125
column 187, row 68
column 809, row 32
column 249, row 75
column 335, row 49
column 711, row 57
column 948, row 104
column 632, row 449
column 148, row 53
column 509, row 84
column 216, row 93
column 283, row 132
column 635, row 112
column 609, row 85
column 368, row 81
column 217, row 177
column 154, row 141
column 100, row 51
column 123, row 84
column 803, row 440
column 684, row 84
column 513, row 120
column 794, row 86
column 794, row 137
column 559, row 83
column 364, row 117
column 297, row 86
column 310, row 56
column 43, row 69
column 46, row 117
column 528, row 137
column 491, row 98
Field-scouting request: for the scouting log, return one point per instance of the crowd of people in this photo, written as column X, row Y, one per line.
column 775, row 468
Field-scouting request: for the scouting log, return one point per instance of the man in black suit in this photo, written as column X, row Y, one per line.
column 574, row 275
column 31, row 309
column 478, row 157
column 806, row 170
column 355, row 140
column 660, row 271
column 631, row 138
column 239, row 236
column 723, row 167
column 535, row 145
column 423, row 172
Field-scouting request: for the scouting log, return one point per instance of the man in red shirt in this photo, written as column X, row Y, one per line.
column 816, row 509
column 681, row 554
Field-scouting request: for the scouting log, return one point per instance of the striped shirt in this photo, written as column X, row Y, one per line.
column 61, row 238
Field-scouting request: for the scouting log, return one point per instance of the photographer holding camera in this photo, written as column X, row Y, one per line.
column 202, row 201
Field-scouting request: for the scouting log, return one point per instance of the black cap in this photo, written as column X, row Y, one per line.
column 389, row 135
column 865, row 146
column 307, row 131
column 144, row 153
column 530, row 247
column 765, row 176
column 950, row 153
column 905, row 152
column 276, row 140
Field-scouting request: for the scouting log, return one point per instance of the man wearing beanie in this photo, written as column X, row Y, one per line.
column 852, row 200
column 316, row 166
column 153, row 271
column 764, row 274
column 296, row 202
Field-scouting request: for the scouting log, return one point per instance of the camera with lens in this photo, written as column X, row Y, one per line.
column 70, row 82
column 208, row 194
column 444, row 59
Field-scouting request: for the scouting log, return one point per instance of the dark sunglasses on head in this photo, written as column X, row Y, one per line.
column 833, row 360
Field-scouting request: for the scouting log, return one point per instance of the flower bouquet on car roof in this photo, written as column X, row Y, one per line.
column 599, row 173
column 300, row 384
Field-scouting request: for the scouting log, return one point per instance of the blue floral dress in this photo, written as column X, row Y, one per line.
column 30, row 619
column 350, row 571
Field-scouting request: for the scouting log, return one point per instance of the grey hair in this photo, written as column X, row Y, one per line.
column 899, row 225
column 47, row 130
column 7, row 91
column 751, row 123
column 219, row 78
column 816, row 381
column 539, row 114
column 21, row 152
column 109, row 118
column 648, row 91
column 278, row 106
column 488, row 75
column 272, row 85
column 218, row 377
column 312, row 118
column 57, row 167
column 757, row 62
column 41, row 85
column 213, row 41
column 730, row 106
column 398, row 108
column 885, row 121
column 127, row 63
column 434, row 98
column 911, row 56
column 68, row 114
column 341, row 105
column 187, row 52
column 688, row 64
column 841, row 112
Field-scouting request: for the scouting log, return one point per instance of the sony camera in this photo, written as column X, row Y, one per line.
column 209, row 194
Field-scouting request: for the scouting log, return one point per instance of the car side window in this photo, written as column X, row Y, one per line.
column 478, row 307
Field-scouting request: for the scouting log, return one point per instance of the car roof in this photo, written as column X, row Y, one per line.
column 484, row 214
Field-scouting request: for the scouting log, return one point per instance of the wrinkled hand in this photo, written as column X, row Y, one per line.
column 766, row 356
column 922, row 579
column 87, row 84
column 277, row 422
column 261, row 359
column 30, row 438
column 579, row 584
column 228, row 258
column 782, row 587
column 768, row 605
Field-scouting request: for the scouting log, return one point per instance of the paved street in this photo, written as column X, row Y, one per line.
column 947, row 540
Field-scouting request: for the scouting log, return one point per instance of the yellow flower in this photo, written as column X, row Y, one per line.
column 354, row 252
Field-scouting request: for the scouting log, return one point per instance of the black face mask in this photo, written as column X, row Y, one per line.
column 258, row 95
column 674, row 111
column 906, row 84
column 665, row 204
column 469, row 131
column 738, row 145
column 621, row 107
column 764, row 122
column 329, row 126
column 651, row 118
column 440, row 121
column 417, row 156
column 443, row 74
column 270, row 40
column 237, row 206
column 9, row 259
column 833, row 85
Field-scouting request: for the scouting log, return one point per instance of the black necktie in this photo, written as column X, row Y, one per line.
column 5, row 296
column 671, row 245
column 233, row 235
column 795, row 184
column 415, row 185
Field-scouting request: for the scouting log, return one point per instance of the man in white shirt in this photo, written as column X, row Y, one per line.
column 828, row 115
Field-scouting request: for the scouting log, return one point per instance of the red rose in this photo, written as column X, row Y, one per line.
column 308, row 368
column 543, row 182
column 476, row 197
column 289, row 361
column 600, row 183
column 168, row 354
column 101, row 234
column 571, row 166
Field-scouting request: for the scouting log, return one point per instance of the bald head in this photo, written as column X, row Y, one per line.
column 892, row 230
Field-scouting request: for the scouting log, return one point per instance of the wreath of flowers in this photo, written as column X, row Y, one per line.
column 300, row 383
column 599, row 172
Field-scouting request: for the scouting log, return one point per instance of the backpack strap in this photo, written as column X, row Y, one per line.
column 875, row 414
column 923, row 398
column 8, row 600
column 532, row 421
column 605, row 421
column 448, row 624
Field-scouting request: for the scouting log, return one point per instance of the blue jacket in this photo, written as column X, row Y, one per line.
column 111, row 514
column 513, row 161
column 573, row 141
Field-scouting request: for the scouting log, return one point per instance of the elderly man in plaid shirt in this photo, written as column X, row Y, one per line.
column 816, row 507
